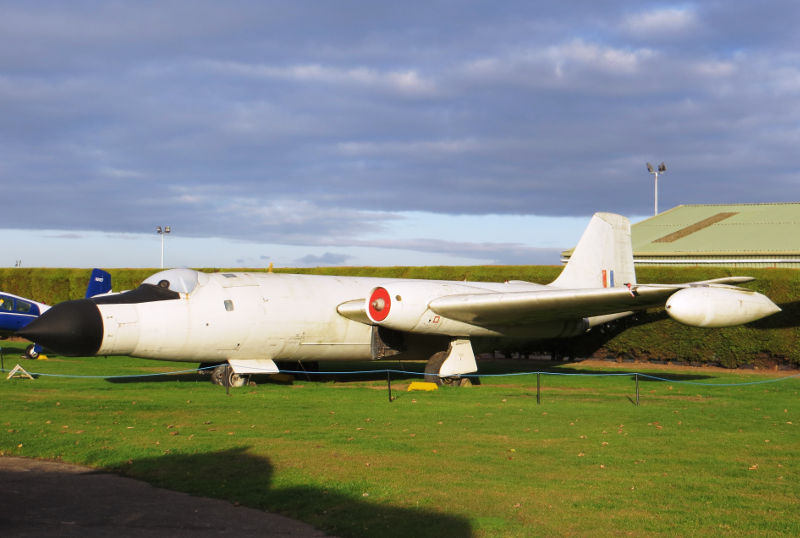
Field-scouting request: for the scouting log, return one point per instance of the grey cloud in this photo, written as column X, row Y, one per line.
column 489, row 253
column 328, row 258
column 260, row 121
column 65, row 236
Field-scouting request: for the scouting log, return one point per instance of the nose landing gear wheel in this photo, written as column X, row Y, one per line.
column 224, row 375
column 31, row 352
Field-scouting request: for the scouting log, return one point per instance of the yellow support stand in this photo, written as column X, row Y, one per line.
column 422, row 385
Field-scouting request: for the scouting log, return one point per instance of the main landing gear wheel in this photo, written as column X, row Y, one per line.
column 225, row 376
column 31, row 352
column 434, row 365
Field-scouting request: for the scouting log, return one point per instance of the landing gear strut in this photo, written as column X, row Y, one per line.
column 433, row 369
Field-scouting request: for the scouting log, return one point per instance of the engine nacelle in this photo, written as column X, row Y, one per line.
column 403, row 306
column 718, row 307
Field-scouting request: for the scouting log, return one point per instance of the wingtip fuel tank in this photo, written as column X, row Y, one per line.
column 718, row 306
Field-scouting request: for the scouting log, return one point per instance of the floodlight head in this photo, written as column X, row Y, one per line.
column 662, row 167
column 167, row 229
column 650, row 168
column 158, row 229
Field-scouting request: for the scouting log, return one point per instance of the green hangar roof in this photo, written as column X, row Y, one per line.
column 729, row 234
column 755, row 235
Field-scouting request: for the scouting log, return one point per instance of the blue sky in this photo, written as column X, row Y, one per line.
column 377, row 133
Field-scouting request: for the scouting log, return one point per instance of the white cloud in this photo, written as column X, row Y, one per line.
column 408, row 82
column 570, row 64
column 419, row 147
column 661, row 22
column 596, row 57
column 122, row 174
column 714, row 68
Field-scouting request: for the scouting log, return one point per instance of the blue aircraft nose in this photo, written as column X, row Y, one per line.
column 69, row 328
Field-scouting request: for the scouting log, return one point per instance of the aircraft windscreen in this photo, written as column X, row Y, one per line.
column 23, row 307
column 177, row 280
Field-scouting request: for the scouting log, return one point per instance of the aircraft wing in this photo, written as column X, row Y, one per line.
column 521, row 308
column 707, row 303
column 404, row 306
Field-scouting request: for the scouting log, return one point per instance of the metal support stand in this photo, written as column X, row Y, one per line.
column 19, row 371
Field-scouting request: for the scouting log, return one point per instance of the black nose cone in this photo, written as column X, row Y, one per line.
column 69, row 328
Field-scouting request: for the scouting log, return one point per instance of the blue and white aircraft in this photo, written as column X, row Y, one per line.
column 16, row 312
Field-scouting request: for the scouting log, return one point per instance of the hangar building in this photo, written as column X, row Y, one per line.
column 733, row 235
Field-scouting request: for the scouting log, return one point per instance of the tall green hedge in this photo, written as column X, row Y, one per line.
column 650, row 335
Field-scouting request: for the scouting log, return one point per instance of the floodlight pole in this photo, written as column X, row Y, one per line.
column 655, row 171
column 162, row 233
column 655, row 200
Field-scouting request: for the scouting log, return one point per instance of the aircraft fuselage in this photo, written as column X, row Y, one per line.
column 186, row 315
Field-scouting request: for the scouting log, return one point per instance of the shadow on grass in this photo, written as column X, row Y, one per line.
column 159, row 378
column 240, row 477
column 368, row 372
column 508, row 366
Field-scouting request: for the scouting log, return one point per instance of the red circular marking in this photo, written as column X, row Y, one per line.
column 379, row 304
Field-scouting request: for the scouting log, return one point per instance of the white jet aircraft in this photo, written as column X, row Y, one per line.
column 250, row 320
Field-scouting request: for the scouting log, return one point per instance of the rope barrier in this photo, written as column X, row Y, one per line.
column 761, row 382
column 389, row 371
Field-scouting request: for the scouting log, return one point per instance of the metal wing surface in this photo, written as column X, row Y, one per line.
column 520, row 308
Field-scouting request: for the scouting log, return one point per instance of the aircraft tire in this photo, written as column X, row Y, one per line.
column 235, row 380
column 224, row 376
column 218, row 375
column 432, row 368
column 31, row 353
column 469, row 381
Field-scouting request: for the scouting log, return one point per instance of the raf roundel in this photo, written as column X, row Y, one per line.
column 379, row 304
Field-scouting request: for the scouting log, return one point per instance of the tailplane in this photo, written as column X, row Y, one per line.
column 603, row 257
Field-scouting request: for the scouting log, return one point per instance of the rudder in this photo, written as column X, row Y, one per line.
column 99, row 283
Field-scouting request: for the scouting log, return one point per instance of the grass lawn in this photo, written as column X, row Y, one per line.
column 480, row 461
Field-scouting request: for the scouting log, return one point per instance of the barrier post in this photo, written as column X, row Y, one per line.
column 637, row 388
column 389, row 384
column 538, row 387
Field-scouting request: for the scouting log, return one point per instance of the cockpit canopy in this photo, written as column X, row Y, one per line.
column 163, row 286
column 177, row 280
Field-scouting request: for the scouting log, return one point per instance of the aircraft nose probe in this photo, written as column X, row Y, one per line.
column 69, row 328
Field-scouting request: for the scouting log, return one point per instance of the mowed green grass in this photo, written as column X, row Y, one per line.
column 479, row 461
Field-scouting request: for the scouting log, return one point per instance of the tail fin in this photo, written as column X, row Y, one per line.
column 99, row 283
column 603, row 257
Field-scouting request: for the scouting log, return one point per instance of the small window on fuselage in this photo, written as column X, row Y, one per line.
column 6, row 303
column 228, row 305
column 23, row 307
